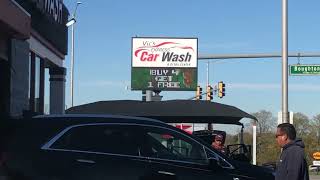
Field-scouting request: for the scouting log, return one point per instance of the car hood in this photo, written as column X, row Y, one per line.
column 252, row 171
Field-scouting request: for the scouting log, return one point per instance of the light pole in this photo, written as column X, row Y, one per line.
column 285, row 114
column 71, row 23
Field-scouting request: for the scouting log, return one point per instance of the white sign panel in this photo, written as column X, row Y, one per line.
column 316, row 163
column 164, row 52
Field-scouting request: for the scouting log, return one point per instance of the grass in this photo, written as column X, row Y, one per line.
column 314, row 173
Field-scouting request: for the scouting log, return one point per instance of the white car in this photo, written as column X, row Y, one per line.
column 314, row 168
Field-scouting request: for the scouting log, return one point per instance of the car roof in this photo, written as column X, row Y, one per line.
column 101, row 118
column 39, row 129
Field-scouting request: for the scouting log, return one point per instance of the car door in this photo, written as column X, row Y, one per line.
column 174, row 155
column 98, row 151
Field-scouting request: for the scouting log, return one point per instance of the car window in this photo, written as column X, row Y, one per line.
column 221, row 160
column 114, row 139
column 167, row 144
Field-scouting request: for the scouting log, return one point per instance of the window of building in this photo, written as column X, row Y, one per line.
column 29, row 92
column 47, row 91
column 36, row 83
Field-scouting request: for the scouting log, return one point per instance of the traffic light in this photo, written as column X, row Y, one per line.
column 209, row 93
column 199, row 93
column 221, row 89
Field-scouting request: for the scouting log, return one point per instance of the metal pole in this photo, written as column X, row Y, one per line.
column 241, row 135
column 254, row 143
column 148, row 95
column 207, row 73
column 285, row 116
column 72, row 52
column 209, row 124
column 241, row 138
column 72, row 63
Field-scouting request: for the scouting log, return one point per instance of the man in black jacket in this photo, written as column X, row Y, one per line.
column 292, row 163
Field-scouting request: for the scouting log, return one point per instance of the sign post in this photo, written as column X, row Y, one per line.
column 254, row 143
column 316, row 163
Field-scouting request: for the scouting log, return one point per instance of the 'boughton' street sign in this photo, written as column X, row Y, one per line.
column 300, row 70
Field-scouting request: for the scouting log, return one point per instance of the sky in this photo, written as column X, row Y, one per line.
column 104, row 30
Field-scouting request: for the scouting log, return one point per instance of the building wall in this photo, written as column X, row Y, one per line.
column 19, row 80
column 44, row 23
column 28, row 47
column 40, row 49
column 14, row 19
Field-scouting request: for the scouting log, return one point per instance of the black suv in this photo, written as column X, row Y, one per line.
column 86, row 147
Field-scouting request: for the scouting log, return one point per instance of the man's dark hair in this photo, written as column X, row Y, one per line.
column 288, row 129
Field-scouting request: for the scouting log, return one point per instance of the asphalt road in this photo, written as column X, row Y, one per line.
column 313, row 177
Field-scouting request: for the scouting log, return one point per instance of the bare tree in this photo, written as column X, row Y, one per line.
column 266, row 121
column 316, row 127
column 302, row 124
column 316, row 121
column 267, row 150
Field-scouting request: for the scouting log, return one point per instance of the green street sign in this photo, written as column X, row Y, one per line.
column 301, row 70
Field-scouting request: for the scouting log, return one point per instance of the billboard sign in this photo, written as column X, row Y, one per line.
column 164, row 52
column 182, row 79
column 164, row 64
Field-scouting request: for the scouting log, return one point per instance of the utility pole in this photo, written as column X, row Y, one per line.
column 209, row 124
column 285, row 114
column 207, row 73
column 72, row 64
column 71, row 23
